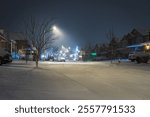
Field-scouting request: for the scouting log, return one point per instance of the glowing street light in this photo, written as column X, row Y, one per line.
column 57, row 32
column 54, row 28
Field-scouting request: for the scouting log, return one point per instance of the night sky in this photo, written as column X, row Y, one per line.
column 83, row 21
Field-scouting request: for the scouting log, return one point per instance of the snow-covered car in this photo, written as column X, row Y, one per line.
column 60, row 59
column 5, row 56
column 132, row 57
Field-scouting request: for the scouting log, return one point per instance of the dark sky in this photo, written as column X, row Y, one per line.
column 85, row 21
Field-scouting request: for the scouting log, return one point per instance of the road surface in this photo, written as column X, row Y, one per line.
column 70, row 80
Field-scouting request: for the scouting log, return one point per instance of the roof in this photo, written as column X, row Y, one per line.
column 133, row 46
column 16, row 36
column 138, row 45
column 145, row 43
column 3, row 38
column 142, row 31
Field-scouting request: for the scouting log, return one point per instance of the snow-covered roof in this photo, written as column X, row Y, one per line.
column 133, row 46
column 2, row 38
column 145, row 43
column 16, row 36
column 138, row 45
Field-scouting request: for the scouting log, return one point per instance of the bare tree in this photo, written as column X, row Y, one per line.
column 39, row 35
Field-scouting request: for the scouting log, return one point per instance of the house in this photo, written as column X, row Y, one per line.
column 4, row 42
column 136, row 36
column 19, row 40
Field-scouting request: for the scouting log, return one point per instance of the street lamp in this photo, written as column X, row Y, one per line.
column 57, row 32
column 54, row 28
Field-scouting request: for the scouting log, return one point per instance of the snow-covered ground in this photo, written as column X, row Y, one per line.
column 75, row 80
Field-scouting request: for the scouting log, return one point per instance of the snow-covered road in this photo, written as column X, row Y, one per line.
column 81, row 80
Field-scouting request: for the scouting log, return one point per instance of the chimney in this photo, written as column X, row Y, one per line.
column 2, row 31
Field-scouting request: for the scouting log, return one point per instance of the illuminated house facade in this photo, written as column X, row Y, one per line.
column 20, row 42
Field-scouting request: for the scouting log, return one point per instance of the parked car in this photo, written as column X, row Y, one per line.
column 5, row 56
column 132, row 57
column 59, row 59
column 141, row 54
